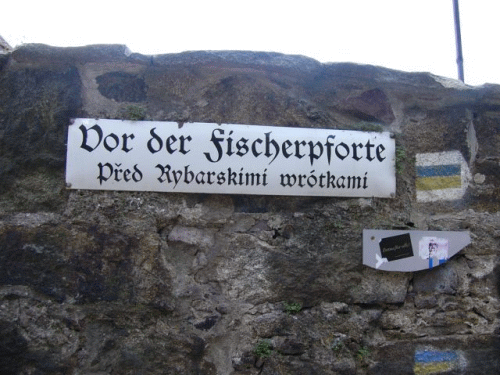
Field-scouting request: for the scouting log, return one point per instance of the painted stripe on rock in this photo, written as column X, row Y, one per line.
column 439, row 170
column 436, row 183
column 439, row 158
column 435, row 356
column 431, row 368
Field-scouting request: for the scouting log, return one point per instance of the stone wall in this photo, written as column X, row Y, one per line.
column 108, row 282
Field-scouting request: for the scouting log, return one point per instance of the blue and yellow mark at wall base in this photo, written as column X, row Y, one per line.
column 435, row 362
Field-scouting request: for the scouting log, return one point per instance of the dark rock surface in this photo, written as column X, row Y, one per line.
column 104, row 282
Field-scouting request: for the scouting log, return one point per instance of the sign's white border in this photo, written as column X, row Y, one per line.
column 228, row 159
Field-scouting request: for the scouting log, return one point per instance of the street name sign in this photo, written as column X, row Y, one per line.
column 107, row 154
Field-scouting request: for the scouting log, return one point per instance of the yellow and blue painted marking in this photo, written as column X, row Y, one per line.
column 435, row 362
column 434, row 177
column 441, row 176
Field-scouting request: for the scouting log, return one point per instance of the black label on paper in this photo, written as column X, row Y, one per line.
column 397, row 247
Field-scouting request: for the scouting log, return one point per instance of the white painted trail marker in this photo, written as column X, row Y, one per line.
column 408, row 251
column 441, row 176
column 228, row 159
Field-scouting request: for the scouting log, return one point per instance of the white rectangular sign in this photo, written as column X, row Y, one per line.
column 228, row 159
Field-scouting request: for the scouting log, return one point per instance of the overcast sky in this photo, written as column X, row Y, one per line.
column 416, row 35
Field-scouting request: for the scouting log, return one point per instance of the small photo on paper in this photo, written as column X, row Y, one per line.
column 433, row 247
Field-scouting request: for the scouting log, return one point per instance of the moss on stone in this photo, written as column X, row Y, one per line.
column 42, row 189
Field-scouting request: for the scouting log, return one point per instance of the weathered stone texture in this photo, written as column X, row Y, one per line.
column 95, row 282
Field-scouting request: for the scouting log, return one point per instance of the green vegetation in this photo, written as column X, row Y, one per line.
column 400, row 159
column 337, row 224
column 135, row 113
column 363, row 352
column 369, row 126
column 337, row 345
column 292, row 308
column 263, row 349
